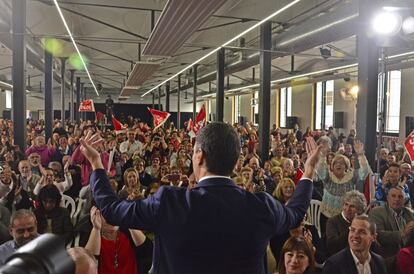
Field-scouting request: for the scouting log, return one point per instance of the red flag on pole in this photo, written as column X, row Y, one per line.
column 87, row 106
column 190, row 124
column 409, row 145
column 159, row 117
column 199, row 122
column 118, row 127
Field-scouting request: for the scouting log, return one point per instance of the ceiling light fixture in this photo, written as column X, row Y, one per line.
column 10, row 86
column 75, row 45
column 225, row 44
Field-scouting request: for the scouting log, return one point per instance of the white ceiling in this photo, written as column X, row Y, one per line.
column 114, row 50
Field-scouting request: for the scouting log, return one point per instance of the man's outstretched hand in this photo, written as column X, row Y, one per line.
column 88, row 144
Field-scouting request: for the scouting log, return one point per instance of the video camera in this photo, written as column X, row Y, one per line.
column 44, row 255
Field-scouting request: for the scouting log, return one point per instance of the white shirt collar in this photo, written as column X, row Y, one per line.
column 213, row 176
column 362, row 268
column 343, row 216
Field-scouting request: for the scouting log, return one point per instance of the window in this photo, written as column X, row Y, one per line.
column 391, row 104
column 324, row 104
column 8, row 99
column 285, row 105
column 255, row 104
column 236, row 108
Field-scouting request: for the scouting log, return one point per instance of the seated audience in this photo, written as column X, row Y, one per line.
column 23, row 229
column 357, row 258
column 337, row 227
column 405, row 257
column 297, row 257
column 114, row 247
column 51, row 217
column 391, row 220
column 284, row 190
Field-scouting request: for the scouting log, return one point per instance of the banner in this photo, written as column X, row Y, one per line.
column 87, row 106
column 158, row 117
column 409, row 145
column 199, row 122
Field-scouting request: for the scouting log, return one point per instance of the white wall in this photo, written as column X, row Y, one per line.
column 246, row 106
column 347, row 106
column 273, row 106
column 407, row 98
column 302, row 104
column 228, row 107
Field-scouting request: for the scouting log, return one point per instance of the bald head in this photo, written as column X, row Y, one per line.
column 84, row 261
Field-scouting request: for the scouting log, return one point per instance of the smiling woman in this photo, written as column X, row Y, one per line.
column 297, row 257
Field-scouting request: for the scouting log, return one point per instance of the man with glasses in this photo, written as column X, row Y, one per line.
column 23, row 229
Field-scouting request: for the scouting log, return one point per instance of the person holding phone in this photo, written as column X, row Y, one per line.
column 214, row 227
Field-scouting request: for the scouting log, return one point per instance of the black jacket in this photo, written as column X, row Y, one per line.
column 343, row 263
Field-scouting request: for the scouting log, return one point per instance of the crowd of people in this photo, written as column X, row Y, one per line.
column 359, row 230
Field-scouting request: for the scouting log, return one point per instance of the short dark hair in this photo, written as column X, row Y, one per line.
column 394, row 165
column 221, row 147
column 298, row 244
column 372, row 224
column 50, row 192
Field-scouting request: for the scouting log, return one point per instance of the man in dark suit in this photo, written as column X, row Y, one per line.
column 215, row 227
column 357, row 258
column 337, row 227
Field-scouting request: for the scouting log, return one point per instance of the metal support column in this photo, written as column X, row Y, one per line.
column 153, row 100
column 78, row 93
column 48, row 94
column 264, row 93
column 83, row 92
column 194, row 93
column 368, row 55
column 220, row 85
column 159, row 98
column 72, row 75
column 178, row 102
column 62, row 89
column 18, row 72
column 167, row 96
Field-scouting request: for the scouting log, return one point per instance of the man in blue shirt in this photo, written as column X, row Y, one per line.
column 215, row 227
column 23, row 229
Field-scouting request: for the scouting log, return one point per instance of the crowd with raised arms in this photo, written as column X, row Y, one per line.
column 46, row 189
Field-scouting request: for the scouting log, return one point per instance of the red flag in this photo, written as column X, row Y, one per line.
column 190, row 124
column 118, row 127
column 159, row 117
column 87, row 106
column 200, row 120
column 99, row 116
column 409, row 145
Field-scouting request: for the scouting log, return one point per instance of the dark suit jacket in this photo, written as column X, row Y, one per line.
column 213, row 228
column 343, row 263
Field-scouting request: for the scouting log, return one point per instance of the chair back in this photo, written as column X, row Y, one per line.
column 69, row 204
column 314, row 215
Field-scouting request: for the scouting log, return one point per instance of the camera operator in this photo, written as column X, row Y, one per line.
column 23, row 229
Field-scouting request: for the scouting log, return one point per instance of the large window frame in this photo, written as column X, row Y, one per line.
column 324, row 104
column 392, row 103
column 285, row 105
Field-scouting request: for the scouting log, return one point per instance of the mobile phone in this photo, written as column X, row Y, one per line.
column 174, row 177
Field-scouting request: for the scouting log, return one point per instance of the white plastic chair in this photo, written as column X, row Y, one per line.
column 314, row 215
column 79, row 204
column 69, row 204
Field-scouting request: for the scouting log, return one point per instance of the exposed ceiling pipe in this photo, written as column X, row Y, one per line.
column 34, row 51
column 337, row 24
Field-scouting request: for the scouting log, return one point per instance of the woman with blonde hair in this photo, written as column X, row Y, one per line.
column 284, row 190
column 132, row 189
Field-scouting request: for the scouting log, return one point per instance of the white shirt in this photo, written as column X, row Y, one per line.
column 362, row 268
column 137, row 145
column 213, row 176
